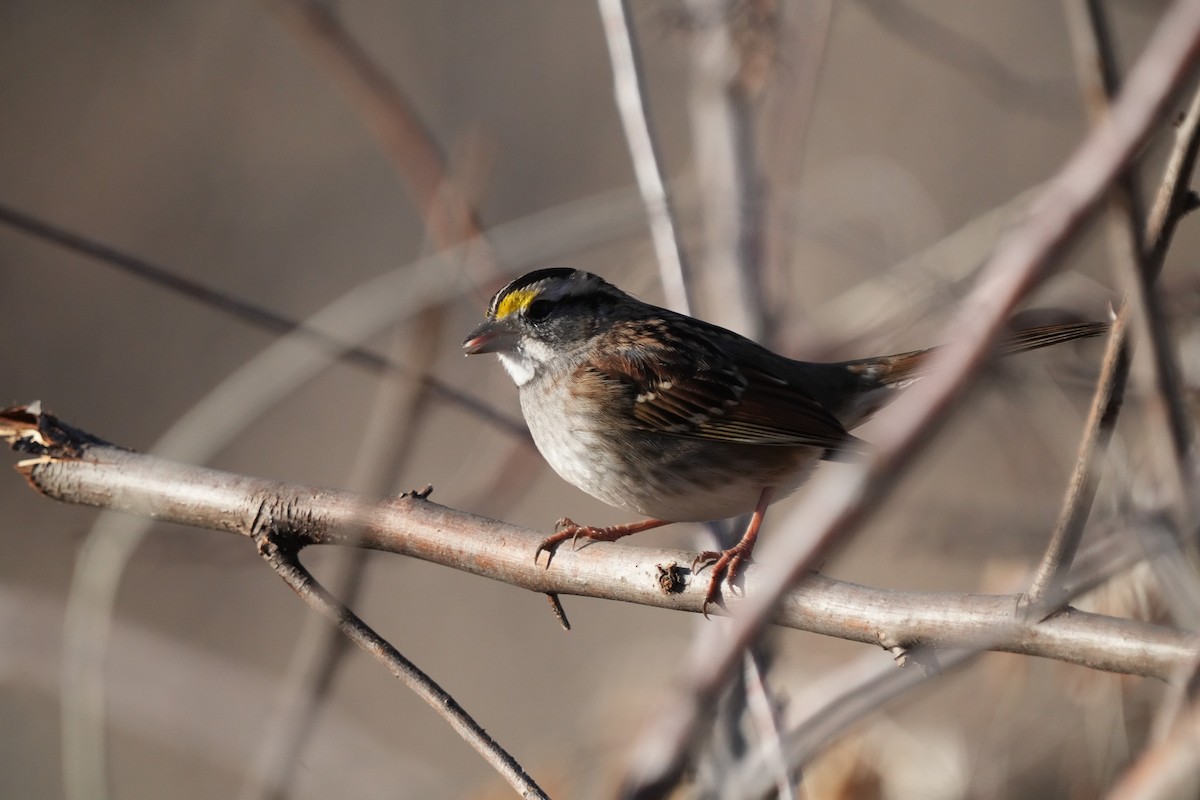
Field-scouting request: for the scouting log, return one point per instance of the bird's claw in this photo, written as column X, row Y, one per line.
column 726, row 564
column 564, row 529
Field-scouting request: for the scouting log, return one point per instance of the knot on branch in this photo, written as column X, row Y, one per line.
column 671, row 577
column 281, row 521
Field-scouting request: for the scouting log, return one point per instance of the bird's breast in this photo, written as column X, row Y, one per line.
column 656, row 474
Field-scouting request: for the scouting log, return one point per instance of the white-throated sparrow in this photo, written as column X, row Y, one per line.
column 677, row 419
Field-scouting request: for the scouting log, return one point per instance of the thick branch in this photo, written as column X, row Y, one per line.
column 75, row 468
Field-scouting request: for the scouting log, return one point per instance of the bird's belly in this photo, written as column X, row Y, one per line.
column 729, row 484
column 675, row 479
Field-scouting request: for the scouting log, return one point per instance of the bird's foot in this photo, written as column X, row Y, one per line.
column 567, row 528
column 725, row 564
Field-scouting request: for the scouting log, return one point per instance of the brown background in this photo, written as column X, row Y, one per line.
column 203, row 137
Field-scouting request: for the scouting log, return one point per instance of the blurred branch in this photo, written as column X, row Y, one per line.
column 389, row 115
column 804, row 36
column 838, row 504
column 765, row 712
column 847, row 696
column 331, row 346
column 450, row 221
column 1098, row 73
column 1085, row 479
column 224, row 302
column 74, row 466
column 732, row 53
column 1169, row 768
column 1137, row 254
column 930, row 36
column 628, row 83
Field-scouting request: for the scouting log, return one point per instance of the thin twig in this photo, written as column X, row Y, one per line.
column 331, row 346
column 839, row 503
column 763, row 712
column 301, row 692
column 1096, row 69
column 803, row 37
column 1096, row 66
column 281, row 555
column 720, row 132
column 628, row 83
column 993, row 76
column 449, row 221
column 1085, row 479
column 389, row 115
column 1166, row 769
column 384, row 445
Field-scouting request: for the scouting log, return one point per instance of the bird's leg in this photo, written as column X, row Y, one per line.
column 566, row 529
column 726, row 563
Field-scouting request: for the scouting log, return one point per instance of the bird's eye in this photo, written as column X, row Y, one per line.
column 538, row 310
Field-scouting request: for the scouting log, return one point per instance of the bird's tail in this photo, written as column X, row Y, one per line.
column 904, row 367
column 879, row 379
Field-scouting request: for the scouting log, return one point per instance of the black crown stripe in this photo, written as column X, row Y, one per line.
column 527, row 279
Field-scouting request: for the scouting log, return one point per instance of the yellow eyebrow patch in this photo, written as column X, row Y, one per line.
column 514, row 302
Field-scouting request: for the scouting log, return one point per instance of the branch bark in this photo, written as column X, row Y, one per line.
column 75, row 467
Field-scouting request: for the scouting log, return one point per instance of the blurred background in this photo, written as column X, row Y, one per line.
column 895, row 141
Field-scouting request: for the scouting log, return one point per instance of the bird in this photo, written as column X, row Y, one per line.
column 677, row 419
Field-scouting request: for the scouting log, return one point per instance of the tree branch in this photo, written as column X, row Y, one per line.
column 644, row 152
column 277, row 547
column 75, row 467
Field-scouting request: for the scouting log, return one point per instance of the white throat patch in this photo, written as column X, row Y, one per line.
column 523, row 363
column 518, row 368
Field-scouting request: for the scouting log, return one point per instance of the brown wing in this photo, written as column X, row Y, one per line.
column 689, row 385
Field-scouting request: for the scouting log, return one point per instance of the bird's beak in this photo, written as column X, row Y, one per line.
column 492, row 336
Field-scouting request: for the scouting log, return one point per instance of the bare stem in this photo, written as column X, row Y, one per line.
column 628, row 83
